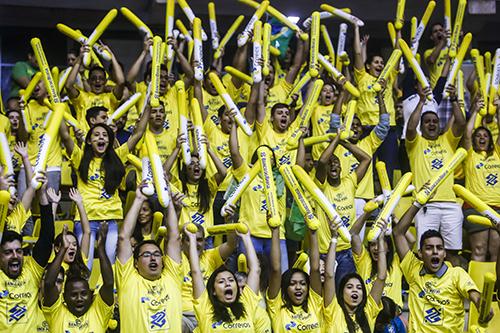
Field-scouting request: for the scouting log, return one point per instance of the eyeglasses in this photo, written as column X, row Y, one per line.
column 148, row 254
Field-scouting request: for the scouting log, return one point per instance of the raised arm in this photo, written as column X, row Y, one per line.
column 436, row 51
column 221, row 168
column 260, row 105
column 356, row 242
column 234, row 148
column 51, row 293
column 106, row 290
column 298, row 58
column 411, row 129
column 324, row 160
column 194, row 264
column 399, row 230
column 363, row 158
column 458, row 120
column 358, row 52
column 75, row 70
column 240, row 63
column 118, row 75
column 379, row 283
column 253, row 280
column 124, row 251
column 76, row 197
column 43, row 246
column 173, row 241
column 169, row 162
column 314, row 262
column 253, row 100
column 66, row 139
column 137, row 65
column 29, row 194
column 467, row 139
column 329, row 285
column 275, row 274
column 139, row 130
column 227, row 248
column 183, row 62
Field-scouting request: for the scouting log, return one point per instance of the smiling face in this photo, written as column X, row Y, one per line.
column 70, row 255
column 145, row 214
column 149, row 263
column 281, row 119
column 375, row 66
column 433, row 254
column 429, row 125
column 97, row 81
column 481, row 140
column 12, row 258
column 353, row 293
column 225, row 287
column 99, row 140
column 327, row 96
column 298, row 290
column 78, row 297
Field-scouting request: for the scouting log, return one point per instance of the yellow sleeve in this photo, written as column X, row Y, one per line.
column 52, row 312
column 363, row 263
column 76, row 156
column 17, row 218
column 464, row 282
column 103, row 311
column 274, row 304
column 123, row 271
column 122, row 152
column 240, row 172
column 203, row 311
column 358, row 74
column 173, row 269
column 372, row 309
column 451, row 138
column 213, row 259
column 410, row 266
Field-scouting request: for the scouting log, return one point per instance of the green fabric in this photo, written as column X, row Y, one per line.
column 21, row 69
column 295, row 225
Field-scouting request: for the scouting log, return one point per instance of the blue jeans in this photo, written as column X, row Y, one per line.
column 111, row 239
column 345, row 265
column 263, row 246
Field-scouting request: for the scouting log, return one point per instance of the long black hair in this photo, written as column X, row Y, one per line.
column 389, row 256
column 77, row 267
column 388, row 312
column 154, row 205
column 360, row 315
column 113, row 167
column 285, row 283
column 204, row 194
column 220, row 312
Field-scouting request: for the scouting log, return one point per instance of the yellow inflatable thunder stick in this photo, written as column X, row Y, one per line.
column 63, row 78
column 25, row 95
column 400, row 15
column 214, row 32
column 351, row 110
column 6, row 159
column 457, row 64
column 190, row 15
column 495, row 83
column 156, row 62
column 219, row 87
column 122, row 109
column 413, row 31
column 306, row 113
column 189, row 39
column 266, row 48
column 183, row 121
column 257, row 52
column 4, row 207
column 298, row 86
column 337, row 75
column 481, row 220
column 238, row 74
column 301, row 261
column 228, row 35
column 242, row 263
column 144, row 166
column 392, row 33
column 139, row 24
column 447, row 18
column 389, row 207
column 240, row 188
column 201, row 148
column 222, row 229
column 461, row 91
column 55, row 76
column 314, row 45
column 169, row 26
column 161, row 186
column 322, row 15
column 77, row 36
column 135, row 161
column 486, row 298
column 343, row 15
column 305, row 208
column 46, row 142
column 265, row 155
column 328, row 43
column 477, row 59
column 386, row 188
column 457, row 28
column 379, row 199
column 425, row 193
column 279, row 16
column 247, row 31
column 44, row 68
column 157, row 221
column 322, row 201
column 274, row 51
column 98, row 31
column 487, row 62
column 421, row 26
column 388, row 68
column 341, row 46
column 313, row 140
column 197, row 50
column 415, row 67
column 478, row 204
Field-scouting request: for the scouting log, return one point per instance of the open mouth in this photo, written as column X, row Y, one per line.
column 71, row 255
column 435, row 262
column 355, row 297
column 15, row 266
column 153, row 266
column 101, row 145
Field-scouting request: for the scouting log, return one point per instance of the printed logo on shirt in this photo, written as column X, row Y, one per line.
column 4, row 293
column 433, row 316
column 491, row 179
column 285, row 159
column 436, row 164
column 257, row 188
column 290, row 325
column 214, row 118
column 105, row 195
column 79, row 324
column 479, row 165
column 227, row 162
column 345, row 221
column 158, row 321
column 354, row 166
column 263, row 206
column 17, row 313
column 198, row 218
column 166, row 124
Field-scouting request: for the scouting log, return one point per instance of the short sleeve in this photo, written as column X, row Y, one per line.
column 410, row 265
column 103, row 311
column 273, row 304
column 76, row 156
column 203, row 310
column 240, row 172
column 123, row 271
column 250, row 299
column 372, row 309
column 464, row 282
column 358, row 74
column 451, row 138
column 363, row 263
column 122, row 152
column 51, row 311
column 213, row 259
column 173, row 269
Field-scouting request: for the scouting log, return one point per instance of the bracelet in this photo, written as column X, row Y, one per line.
column 334, row 240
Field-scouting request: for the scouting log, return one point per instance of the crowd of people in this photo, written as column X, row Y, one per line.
column 287, row 264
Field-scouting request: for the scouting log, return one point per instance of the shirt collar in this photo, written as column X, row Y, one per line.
column 438, row 274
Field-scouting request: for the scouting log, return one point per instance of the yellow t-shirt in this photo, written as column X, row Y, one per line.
column 37, row 114
column 17, row 218
column 166, row 142
column 41, row 323
column 99, row 205
column 342, row 199
column 219, row 143
column 284, row 320
column 95, row 320
column 277, row 141
column 436, row 301
column 320, row 121
column 149, row 306
column 392, row 287
column 210, row 260
column 212, row 103
column 191, row 213
column 481, row 175
column 85, row 100
column 203, row 310
column 335, row 318
column 427, row 157
column 19, row 298
column 253, row 208
column 279, row 94
column 368, row 108
column 436, row 69
column 349, row 164
column 239, row 95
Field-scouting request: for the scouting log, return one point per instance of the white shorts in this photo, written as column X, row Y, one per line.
column 445, row 217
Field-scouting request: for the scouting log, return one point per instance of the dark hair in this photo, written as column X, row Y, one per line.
column 93, row 112
column 10, row 236
column 220, row 111
column 360, row 315
column 77, row 267
column 220, row 312
column 389, row 256
column 431, row 233
column 490, row 144
column 285, row 283
column 372, row 56
column 137, row 249
column 388, row 312
column 155, row 207
column 111, row 163
column 73, row 279
column 279, row 106
column 204, row 194
column 97, row 68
